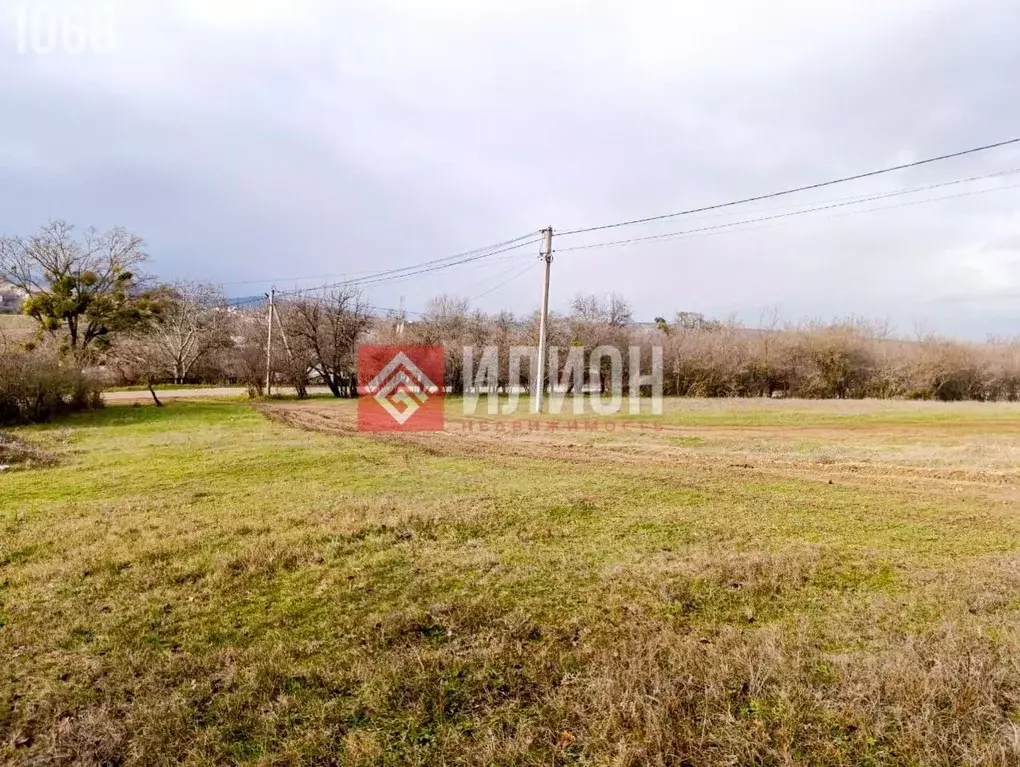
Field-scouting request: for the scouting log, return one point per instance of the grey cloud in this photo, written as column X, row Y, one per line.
column 294, row 139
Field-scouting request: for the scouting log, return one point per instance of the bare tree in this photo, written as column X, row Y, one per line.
column 618, row 312
column 446, row 322
column 768, row 330
column 595, row 322
column 191, row 325
column 503, row 334
column 139, row 360
column 326, row 329
column 298, row 362
column 246, row 360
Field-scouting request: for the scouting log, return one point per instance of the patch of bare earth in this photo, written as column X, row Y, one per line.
column 15, row 454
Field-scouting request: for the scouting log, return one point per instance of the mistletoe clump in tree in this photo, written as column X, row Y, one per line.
column 82, row 291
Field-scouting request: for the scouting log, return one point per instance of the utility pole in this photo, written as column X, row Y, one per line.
column 283, row 335
column 269, row 343
column 543, row 321
column 400, row 318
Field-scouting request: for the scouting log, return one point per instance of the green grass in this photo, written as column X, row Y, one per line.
column 200, row 584
column 722, row 412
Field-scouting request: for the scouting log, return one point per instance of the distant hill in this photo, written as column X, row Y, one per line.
column 246, row 300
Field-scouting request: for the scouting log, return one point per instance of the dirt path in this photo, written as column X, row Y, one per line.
column 220, row 391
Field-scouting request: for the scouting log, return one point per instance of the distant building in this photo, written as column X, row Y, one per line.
column 11, row 298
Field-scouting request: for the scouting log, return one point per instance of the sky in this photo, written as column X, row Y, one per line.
column 295, row 142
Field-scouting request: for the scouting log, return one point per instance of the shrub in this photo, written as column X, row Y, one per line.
column 36, row 386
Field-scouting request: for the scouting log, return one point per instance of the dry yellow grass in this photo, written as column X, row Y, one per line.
column 753, row 583
column 16, row 327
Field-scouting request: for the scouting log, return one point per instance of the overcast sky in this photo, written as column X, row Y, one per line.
column 274, row 140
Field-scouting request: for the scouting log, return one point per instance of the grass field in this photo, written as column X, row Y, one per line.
column 733, row 583
column 16, row 327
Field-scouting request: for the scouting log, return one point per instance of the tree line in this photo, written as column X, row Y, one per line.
column 100, row 320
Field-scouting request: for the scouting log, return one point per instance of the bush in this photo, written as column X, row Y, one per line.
column 37, row 386
column 848, row 359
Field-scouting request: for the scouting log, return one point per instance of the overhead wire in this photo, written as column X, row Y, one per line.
column 477, row 261
column 427, row 266
column 805, row 188
column 394, row 312
column 271, row 280
column 804, row 211
column 369, row 278
column 507, row 281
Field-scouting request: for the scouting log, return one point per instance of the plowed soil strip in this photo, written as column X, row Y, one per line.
column 958, row 467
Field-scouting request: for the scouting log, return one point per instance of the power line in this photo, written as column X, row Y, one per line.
column 726, row 228
column 972, row 193
column 857, row 212
column 489, row 277
column 242, row 302
column 293, row 279
column 394, row 312
column 369, row 275
column 863, row 197
column 489, row 258
column 470, row 255
column 784, row 192
column 389, row 310
column 872, row 198
column 376, row 281
column 391, row 275
column 507, row 281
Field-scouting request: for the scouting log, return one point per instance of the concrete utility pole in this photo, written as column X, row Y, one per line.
column 544, row 321
column 283, row 335
column 269, row 343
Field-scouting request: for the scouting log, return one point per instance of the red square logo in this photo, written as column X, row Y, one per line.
column 401, row 388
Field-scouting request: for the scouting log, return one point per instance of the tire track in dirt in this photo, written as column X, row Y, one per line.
column 642, row 445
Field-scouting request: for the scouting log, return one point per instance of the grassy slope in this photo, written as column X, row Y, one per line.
column 201, row 584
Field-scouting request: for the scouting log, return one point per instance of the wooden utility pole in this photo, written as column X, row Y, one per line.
column 543, row 321
column 269, row 343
